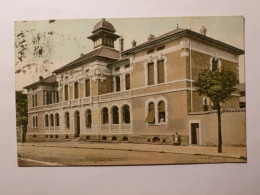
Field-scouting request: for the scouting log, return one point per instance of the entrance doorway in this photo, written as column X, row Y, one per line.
column 194, row 128
column 77, row 123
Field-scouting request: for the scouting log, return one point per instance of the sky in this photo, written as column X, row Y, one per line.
column 43, row 46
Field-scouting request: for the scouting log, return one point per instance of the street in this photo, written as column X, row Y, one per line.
column 58, row 154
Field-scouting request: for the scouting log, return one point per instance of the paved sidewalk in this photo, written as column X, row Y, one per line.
column 233, row 152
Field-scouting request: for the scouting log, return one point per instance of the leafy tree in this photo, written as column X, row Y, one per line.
column 21, row 108
column 218, row 86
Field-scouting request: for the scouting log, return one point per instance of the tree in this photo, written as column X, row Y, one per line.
column 218, row 86
column 21, row 109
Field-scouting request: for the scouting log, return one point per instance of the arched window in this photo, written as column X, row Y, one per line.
column 105, row 115
column 205, row 104
column 161, row 112
column 117, row 83
column 46, row 120
column 51, row 120
column 161, row 71
column 151, row 73
column 215, row 63
column 127, row 82
column 76, row 90
column 126, row 114
column 66, row 92
column 151, row 113
column 115, row 115
column 88, row 118
column 67, row 120
column 57, row 120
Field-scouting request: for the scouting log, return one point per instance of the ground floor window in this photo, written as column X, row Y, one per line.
column 67, row 120
column 88, row 118
column 57, row 120
column 150, row 119
column 115, row 115
column 51, row 120
column 126, row 114
column 46, row 120
column 105, row 116
column 161, row 112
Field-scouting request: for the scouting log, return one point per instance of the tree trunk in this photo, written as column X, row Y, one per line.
column 219, row 130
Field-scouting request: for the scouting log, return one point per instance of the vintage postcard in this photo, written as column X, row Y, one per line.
column 130, row 91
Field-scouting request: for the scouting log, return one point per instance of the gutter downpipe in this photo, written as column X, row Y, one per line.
column 191, row 102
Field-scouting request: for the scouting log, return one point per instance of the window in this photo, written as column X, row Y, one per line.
column 127, row 66
column 150, row 119
column 36, row 121
column 46, row 120
column 76, row 90
column 57, row 120
column 88, row 118
column 215, row 64
column 44, row 97
column 67, row 120
column 161, row 71
column 115, row 115
column 150, row 51
column 105, row 116
column 160, row 48
column 117, row 83
column 35, row 96
column 66, row 92
column 56, row 93
column 32, row 100
column 117, row 69
column 87, row 87
column 205, row 104
column 151, row 73
column 126, row 114
column 127, row 82
column 33, row 121
column 161, row 112
column 51, row 120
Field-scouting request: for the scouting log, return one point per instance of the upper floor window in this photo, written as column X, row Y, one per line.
column 127, row 82
column 46, row 120
column 76, row 90
column 34, row 100
column 215, row 63
column 117, row 83
column 161, row 71
column 87, row 87
column 151, row 73
column 66, row 92
column 35, row 121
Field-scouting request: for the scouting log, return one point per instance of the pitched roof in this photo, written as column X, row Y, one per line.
column 100, row 52
column 179, row 32
column 48, row 80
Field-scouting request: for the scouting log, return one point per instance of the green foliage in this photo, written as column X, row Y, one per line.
column 21, row 109
column 218, row 86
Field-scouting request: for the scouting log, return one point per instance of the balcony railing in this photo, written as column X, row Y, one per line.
column 114, row 96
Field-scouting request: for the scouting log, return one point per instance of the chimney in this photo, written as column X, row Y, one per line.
column 133, row 43
column 121, row 44
column 203, row 30
column 151, row 37
column 40, row 78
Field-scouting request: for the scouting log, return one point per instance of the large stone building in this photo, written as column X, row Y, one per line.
column 143, row 94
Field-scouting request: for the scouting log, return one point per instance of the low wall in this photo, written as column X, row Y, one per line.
column 233, row 124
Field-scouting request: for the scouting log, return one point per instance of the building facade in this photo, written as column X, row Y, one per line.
column 144, row 94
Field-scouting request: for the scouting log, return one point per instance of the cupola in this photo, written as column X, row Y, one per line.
column 103, row 34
